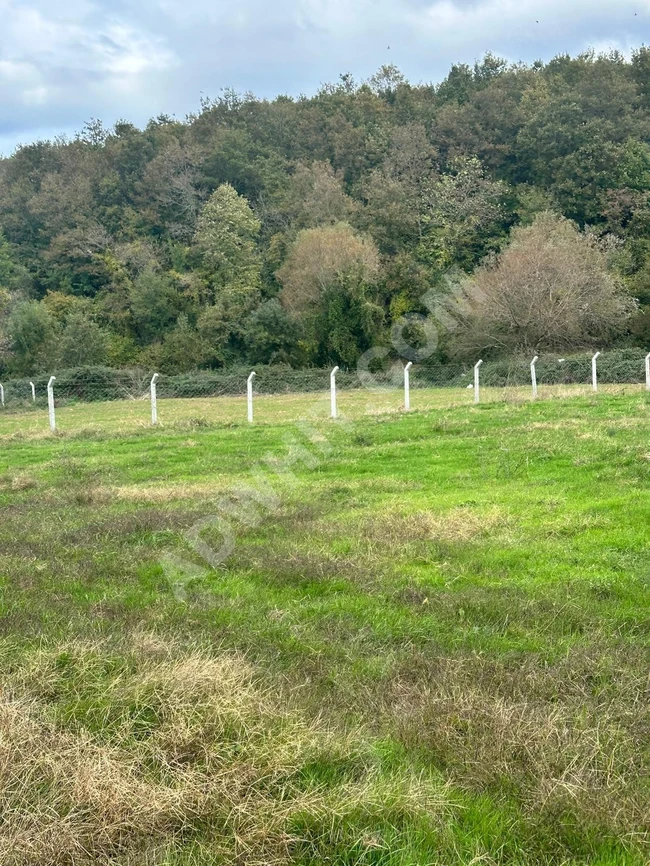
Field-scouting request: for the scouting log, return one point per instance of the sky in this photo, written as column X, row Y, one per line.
column 63, row 62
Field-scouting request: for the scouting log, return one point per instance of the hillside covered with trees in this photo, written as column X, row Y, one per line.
column 298, row 231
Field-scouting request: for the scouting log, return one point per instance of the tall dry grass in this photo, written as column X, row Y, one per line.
column 102, row 758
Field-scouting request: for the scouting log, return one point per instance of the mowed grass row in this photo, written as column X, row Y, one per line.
column 433, row 650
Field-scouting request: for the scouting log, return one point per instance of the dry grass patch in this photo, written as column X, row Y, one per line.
column 298, row 564
column 162, row 493
column 102, row 756
column 67, row 799
column 457, row 524
column 18, row 483
column 314, row 552
column 571, row 740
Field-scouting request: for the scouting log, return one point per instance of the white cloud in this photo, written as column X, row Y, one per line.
column 517, row 28
column 16, row 72
column 335, row 16
column 92, row 41
column 36, row 95
column 63, row 63
column 70, row 62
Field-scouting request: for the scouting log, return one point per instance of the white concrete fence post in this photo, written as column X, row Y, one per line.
column 594, row 371
column 50, row 403
column 33, row 392
column 477, row 384
column 407, row 386
column 154, row 399
column 533, row 375
column 249, row 388
column 333, row 392
column 2, row 395
column 647, row 372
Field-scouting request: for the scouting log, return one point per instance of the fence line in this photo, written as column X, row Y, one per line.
column 486, row 379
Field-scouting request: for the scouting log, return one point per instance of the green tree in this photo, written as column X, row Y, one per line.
column 32, row 336
column 82, row 342
column 181, row 349
column 155, row 304
column 349, row 321
column 396, row 192
column 272, row 335
column 328, row 284
column 13, row 276
column 315, row 196
column 464, row 214
column 226, row 237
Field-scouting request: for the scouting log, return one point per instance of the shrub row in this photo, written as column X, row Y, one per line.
column 89, row 384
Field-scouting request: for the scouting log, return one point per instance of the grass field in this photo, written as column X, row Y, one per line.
column 433, row 649
column 121, row 416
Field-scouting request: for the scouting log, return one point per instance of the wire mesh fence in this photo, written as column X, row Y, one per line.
column 430, row 384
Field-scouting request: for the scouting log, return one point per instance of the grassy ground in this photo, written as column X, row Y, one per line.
column 430, row 644
column 121, row 416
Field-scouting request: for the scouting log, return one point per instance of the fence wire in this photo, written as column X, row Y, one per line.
column 498, row 380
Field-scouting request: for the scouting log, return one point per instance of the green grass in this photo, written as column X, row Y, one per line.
column 123, row 416
column 434, row 650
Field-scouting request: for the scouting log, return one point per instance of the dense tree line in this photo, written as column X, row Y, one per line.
column 299, row 230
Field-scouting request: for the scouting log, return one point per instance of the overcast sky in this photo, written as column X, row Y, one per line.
column 65, row 61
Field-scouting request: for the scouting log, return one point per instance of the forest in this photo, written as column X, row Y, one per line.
column 299, row 231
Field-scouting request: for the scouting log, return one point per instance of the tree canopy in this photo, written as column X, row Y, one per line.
column 299, row 230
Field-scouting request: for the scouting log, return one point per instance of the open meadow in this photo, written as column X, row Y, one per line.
column 429, row 643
